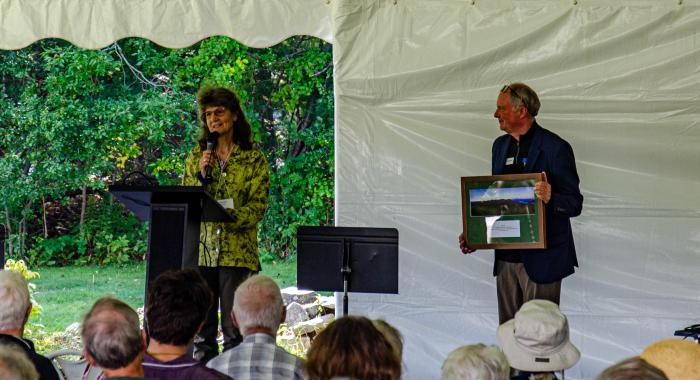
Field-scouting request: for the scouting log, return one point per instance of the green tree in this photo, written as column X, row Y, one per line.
column 76, row 120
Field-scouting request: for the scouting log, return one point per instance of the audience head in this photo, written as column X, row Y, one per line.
column 476, row 362
column 634, row 368
column 15, row 305
column 352, row 347
column 257, row 304
column 178, row 301
column 537, row 339
column 391, row 334
column 15, row 365
column 677, row 358
column 111, row 335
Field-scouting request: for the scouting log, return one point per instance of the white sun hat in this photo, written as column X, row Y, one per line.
column 537, row 339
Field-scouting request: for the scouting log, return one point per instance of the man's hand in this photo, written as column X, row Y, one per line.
column 543, row 189
column 463, row 245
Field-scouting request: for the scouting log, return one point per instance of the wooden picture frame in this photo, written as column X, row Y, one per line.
column 502, row 212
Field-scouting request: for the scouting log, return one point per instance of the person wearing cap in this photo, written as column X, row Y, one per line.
column 526, row 147
column 536, row 342
column 678, row 359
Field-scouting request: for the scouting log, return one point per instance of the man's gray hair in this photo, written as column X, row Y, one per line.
column 14, row 300
column 476, row 362
column 632, row 368
column 15, row 365
column 258, row 303
column 523, row 95
column 111, row 333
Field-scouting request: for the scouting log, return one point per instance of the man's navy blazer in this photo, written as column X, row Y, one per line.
column 551, row 154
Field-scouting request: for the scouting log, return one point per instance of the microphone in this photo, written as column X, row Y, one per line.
column 211, row 144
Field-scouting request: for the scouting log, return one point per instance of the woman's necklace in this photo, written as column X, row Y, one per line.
column 224, row 163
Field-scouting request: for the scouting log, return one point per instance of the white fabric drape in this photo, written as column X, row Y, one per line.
column 416, row 83
column 416, row 87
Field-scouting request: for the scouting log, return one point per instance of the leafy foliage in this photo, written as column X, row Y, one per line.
column 74, row 119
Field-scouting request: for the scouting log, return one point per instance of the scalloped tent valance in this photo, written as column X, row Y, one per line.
column 171, row 23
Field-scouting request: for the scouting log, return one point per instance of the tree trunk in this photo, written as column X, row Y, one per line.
column 43, row 208
column 8, row 231
column 83, row 206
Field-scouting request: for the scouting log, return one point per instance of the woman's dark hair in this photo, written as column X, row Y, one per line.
column 352, row 347
column 178, row 301
column 220, row 96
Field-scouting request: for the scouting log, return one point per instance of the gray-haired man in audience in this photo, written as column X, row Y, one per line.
column 112, row 339
column 258, row 311
column 15, row 308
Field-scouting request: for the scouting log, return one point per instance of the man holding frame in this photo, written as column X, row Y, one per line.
column 525, row 274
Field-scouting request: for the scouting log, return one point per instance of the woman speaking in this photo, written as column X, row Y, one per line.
column 235, row 173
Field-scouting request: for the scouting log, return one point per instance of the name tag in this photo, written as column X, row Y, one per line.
column 226, row 203
column 510, row 160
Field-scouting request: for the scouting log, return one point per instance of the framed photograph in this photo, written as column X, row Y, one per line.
column 502, row 212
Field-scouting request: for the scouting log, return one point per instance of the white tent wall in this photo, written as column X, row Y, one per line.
column 416, row 84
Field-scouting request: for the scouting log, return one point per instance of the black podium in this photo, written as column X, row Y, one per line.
column 175, row 214
column 348, row 259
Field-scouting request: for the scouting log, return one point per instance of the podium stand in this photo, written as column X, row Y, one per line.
column 348, row 259
column 175, row 214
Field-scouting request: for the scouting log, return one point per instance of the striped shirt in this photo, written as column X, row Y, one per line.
column 259, row 358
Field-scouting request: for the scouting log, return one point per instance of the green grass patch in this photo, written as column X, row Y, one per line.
column 67, row 293
column 283, row 272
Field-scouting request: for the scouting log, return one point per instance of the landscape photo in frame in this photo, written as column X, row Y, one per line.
column 503, row 212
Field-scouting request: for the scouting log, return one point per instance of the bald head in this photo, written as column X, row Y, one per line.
column 111, row 333
column 258, row 303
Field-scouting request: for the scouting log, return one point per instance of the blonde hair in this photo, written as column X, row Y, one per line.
column 476, row 362
column 678, row 359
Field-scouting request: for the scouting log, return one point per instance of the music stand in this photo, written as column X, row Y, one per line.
column 348, row 259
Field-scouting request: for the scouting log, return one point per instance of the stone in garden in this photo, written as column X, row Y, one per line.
column 295, row 314
column 313, row 309
column 292, row 294
column 328, row 303
column 313, row 325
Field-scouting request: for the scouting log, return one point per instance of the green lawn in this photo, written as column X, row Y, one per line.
column 65, row 294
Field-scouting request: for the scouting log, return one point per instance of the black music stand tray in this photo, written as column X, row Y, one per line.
column 175, row 214
column 348, row 259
